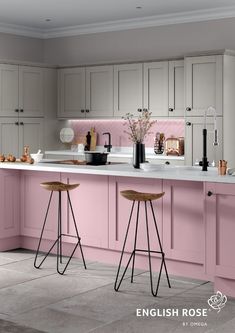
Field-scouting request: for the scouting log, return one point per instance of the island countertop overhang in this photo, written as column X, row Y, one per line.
column 126, row 170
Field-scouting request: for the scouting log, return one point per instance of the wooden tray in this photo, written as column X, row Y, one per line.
column 72, row 162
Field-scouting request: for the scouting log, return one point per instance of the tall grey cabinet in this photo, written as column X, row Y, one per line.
column 22, row 105
column 203, row 88
column 210, row 81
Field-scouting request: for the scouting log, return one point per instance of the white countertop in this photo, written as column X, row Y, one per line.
column 127, row 170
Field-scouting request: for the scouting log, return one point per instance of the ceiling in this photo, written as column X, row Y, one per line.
column 56, row 18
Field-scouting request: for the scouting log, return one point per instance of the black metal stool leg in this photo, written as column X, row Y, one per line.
column 160, row 245
column 136, row 232
column 149, row 253
column 59, row 237
column 116, row 284
column 40, row 239
column 60, row 227
column 76, row 228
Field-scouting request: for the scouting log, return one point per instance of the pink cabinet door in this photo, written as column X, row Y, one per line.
column 183, row 221
column 220, row 207
column 90, row 205
column 34, row 202
column 120, row 209
column 9, row 203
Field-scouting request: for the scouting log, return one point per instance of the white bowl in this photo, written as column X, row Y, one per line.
column 151, row 167
column 37, row 157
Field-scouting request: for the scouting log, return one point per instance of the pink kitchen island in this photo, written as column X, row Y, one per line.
column 196, row 216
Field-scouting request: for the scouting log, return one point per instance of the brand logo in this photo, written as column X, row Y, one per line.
column 171, row 312
column 217, row 301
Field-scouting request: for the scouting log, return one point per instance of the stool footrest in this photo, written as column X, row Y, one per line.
column 151, row 251
column 72, row 236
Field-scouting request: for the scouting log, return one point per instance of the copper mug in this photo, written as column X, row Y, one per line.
column 222, row 167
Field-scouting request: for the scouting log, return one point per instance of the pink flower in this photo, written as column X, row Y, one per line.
column 138, row 128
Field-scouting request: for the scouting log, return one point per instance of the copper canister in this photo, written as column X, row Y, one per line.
column 174, row 146
column 222, row 167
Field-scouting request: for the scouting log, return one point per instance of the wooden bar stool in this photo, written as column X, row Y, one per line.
column 139, row 197
column 59, row 187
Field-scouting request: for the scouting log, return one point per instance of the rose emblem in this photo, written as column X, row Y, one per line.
column 217, row 301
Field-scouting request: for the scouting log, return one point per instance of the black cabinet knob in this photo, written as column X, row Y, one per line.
column 188, row 109
column 87, row 111
column 21, row 123
column 209, row 193
column 171, row 109
column 82, row 111
column 188, row 123
column 145, row 110
column 16, row 110
column 139, row 110
column 21, row 110
column 17, row 123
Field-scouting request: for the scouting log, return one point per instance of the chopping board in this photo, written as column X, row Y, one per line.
column 72, row 162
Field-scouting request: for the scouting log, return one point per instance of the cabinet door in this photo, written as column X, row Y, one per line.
column 31, row 134
column 31, row 91
column 9, row 136
column 9, row 203
column 176, row 88
column 34, row 201
column 156, row 88
column 9, row 90
column 71, row 92
column 194, row 140
column 99, row 91
column 203, row 84
column 220, row 209
column 184, row 226
column 90, row 206
column 128, row 92
column 120, row 209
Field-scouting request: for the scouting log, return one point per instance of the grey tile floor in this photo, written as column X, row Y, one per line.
column 34, row 301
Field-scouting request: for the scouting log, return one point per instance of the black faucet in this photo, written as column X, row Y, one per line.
column 109, row 145
column 205, row 162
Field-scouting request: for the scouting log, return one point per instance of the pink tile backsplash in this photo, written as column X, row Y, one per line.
column 172, row 127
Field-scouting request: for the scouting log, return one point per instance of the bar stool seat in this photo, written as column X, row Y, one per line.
column 139, row 197
column 59, row 187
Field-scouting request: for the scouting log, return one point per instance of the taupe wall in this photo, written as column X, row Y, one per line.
column 21, row 48
column 131, row 45
column 140, row 44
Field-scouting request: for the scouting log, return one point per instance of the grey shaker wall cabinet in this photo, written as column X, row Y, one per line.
column 85, row 92
column 21, row 91
column 114, row 90
column 176, row 103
